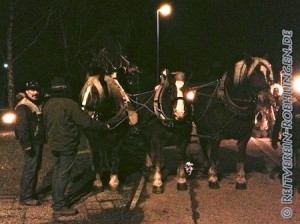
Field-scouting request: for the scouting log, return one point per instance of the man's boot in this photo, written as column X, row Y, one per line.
column 65, row 211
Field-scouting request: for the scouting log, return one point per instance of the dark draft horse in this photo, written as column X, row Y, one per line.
column 102, row 99
column 165, row 119
column 225, row 109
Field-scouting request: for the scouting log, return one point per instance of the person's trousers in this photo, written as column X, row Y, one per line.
column 29, row 177
column 63, row 163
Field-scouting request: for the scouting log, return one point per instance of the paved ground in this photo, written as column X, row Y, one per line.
column 135, row 203
column 104, row 207
column 260, row 203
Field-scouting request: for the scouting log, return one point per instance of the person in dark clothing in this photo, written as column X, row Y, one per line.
column 64, row 119
column 295, row 135
column 30, row 131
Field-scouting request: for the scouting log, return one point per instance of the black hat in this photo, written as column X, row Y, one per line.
column 59, row 88
column 58, row 83
column 32, row 85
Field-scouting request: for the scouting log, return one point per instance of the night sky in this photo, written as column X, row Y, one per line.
column 198, row 37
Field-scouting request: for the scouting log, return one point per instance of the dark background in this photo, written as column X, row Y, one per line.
column 201, row 38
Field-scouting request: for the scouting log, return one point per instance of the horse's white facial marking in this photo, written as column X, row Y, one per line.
column 179, row 110
column 179, row 84
column 85, row 96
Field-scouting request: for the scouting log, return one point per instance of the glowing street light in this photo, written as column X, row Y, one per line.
column 163, row 10
column 5, row 65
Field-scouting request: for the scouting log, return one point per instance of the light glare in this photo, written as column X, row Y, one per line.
column 9, row 118
column 165, row 9
column 190, row 95
column 296, row 84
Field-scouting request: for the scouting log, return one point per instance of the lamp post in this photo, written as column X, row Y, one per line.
column 164, row 10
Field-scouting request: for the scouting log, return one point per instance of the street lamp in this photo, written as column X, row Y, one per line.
column 164, row 10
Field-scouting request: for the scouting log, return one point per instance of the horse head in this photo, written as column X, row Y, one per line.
column 100, row 95
column 92, row 93
column 172, row 99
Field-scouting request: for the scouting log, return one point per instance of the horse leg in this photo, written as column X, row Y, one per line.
column 96, row 160
column 157, row 181
column 98, row 185
column 149, row 169
column 241, row 179
column 114, row 179
column 181, row 178
column 213, row 147
column 156, row 158
column 114, row 182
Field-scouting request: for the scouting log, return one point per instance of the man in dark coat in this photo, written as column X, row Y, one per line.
column 30, row 131
column 64, row 119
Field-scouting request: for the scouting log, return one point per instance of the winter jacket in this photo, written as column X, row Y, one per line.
column 64, row 119
column 30, row 128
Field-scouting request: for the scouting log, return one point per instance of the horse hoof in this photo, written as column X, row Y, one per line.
column 98, row 189
column 182, row 187
column 157, row 190
column 113, row 188
column 213, row 185
column 239, row 186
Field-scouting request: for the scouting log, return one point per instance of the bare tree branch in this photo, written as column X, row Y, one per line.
column 36, row 37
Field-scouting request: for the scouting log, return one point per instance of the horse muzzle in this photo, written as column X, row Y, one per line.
column 179, row 115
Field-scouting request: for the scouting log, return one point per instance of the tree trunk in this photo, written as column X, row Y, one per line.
column 10, row 74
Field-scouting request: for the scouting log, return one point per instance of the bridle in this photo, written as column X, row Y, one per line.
column 158, row 104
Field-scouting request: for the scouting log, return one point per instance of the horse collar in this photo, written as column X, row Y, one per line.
column 157, row 106
column 167, row 122
column 225, row 98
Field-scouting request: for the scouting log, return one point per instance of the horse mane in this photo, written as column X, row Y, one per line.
column 243, row 69
column 92, row 81
column 113, row 88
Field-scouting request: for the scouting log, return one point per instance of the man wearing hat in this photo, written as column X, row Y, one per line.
column 64, row 119
column 30, row 131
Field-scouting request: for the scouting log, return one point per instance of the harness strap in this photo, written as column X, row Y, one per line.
column 156, row 103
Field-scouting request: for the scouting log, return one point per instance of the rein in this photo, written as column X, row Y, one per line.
column 142, row 105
